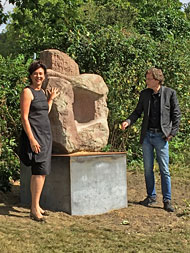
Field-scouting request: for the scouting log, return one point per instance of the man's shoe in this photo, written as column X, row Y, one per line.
column 148, row 201
column 167, row 206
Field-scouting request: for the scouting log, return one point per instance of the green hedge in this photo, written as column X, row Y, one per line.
column 12, row 78
column 102, row 41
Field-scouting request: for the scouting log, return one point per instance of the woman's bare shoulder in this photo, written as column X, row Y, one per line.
column 27, row 93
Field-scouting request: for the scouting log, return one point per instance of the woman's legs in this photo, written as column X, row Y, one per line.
column 36, row 186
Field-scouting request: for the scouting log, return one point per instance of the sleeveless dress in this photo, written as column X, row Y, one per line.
column 39, row 121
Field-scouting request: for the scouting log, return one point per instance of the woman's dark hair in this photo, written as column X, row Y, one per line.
column 34, row 66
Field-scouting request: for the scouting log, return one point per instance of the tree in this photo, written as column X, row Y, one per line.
column 117, row 39
column 187, row 10
column 12, row 79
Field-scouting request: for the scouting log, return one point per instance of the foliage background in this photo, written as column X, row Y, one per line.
column 116, row 39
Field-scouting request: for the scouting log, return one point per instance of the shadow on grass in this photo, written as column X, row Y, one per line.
column 137, row 203
column 10, row 204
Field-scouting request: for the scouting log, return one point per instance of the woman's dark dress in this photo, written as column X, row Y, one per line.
column 41, row 129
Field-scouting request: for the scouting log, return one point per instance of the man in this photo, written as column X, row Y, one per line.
column 160, row 123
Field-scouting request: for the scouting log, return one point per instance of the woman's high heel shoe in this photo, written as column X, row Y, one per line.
column 45, row 213
column 34, row 217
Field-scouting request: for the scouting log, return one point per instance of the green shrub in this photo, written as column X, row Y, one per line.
column 118, row 40
column 12, row 77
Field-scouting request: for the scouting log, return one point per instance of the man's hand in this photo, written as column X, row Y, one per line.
column 124, row 125
column 169, row 138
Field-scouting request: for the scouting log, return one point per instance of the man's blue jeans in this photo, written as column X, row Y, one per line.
column 154, row 141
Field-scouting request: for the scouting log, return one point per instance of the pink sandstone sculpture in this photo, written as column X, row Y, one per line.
column 79, row 114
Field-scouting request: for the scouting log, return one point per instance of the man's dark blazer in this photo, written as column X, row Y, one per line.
column 169, row 112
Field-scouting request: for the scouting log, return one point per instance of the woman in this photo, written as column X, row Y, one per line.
column 37, row 133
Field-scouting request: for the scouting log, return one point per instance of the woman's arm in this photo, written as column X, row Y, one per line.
column 25, row 101
column 53, row 93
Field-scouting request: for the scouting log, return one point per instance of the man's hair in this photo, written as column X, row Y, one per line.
column 34, row 66
column 157, row 74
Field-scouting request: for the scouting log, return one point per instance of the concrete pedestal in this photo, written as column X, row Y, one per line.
column 92, row 183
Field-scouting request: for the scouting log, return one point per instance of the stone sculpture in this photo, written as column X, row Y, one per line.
column 79, row 115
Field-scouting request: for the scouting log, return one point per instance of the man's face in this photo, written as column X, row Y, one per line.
column 151, row 82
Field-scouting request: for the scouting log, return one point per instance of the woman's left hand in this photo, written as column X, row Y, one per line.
column 53, row 93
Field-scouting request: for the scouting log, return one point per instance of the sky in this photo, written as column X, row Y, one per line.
column 185, row 1
column 9, row 7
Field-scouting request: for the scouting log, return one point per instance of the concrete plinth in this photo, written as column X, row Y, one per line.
column 92, row 183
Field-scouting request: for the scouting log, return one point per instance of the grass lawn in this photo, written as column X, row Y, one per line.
column 132, row 229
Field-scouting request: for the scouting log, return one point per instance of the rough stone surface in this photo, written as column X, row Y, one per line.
column 60, row 62
column 79, row 114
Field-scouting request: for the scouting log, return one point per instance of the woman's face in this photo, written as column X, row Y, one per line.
column 38, row 77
